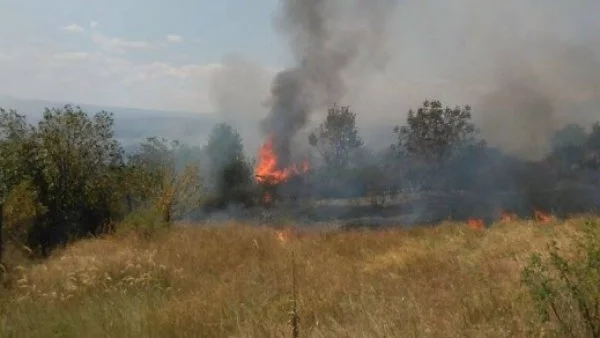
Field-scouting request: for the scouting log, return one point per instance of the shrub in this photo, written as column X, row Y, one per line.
column 565, row 286
column 146, row 221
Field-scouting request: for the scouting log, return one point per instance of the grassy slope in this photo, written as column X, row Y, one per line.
column 448, row 281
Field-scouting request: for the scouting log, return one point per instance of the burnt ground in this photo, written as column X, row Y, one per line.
column 408, row 210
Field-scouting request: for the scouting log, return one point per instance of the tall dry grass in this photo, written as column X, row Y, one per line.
column 236, row 281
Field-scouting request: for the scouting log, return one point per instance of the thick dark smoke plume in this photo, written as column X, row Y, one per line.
column 527, row 67
column 328, row 38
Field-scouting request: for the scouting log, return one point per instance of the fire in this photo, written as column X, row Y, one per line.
column 508, row 217
column 283, row 237
column 542, row 216
column 268, row 170
column 476, row 224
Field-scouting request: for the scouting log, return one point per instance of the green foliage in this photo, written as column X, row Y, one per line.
column 15, row 154
column 147, row 169
column 568, row 147
column 69, row 166
column 574, row 149
column 572, row 135
column 434, row 142
column 233, row 186
column 66, row 178
column 566, row 288
column 224, row 147
column 146, row 221
column 337, row 138
column 16, row 148
column 21, row 210
column 160, row 182
column 434, row 133
column 230, row 173
column 340, row 150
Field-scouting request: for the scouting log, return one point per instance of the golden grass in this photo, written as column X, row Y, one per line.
column 235, row 281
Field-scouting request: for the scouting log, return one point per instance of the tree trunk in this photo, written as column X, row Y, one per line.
column 129, row 202
column 167, row 214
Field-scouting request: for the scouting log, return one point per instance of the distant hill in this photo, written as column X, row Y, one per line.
column 134, row 125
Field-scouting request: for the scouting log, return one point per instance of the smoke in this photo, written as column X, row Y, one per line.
column 520, row 118
column 328, row 38
column 536, row 92
column 238, row 88
column 527, row 67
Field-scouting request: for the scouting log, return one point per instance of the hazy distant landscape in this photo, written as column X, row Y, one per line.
column 132, row 125
column 135, row 125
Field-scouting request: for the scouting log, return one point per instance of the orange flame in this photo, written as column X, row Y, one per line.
column 268, row 170
column 476, row 224
column 508, row 217
column 542, row 216
column 285, row 236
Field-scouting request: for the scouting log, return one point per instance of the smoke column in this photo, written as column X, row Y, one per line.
column 527, row 67
column 328, row 38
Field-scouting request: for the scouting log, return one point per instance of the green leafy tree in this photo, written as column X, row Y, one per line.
column 21, row 209
column 78, row 163
column 16, row 144
column 435, row 133
column 572, row 135
column 71, row 163
column 568, row 148
column 337, row 139
column 230, row 172
column 433, row 138
column 574, row 150
column 339, row 148
column 161, row 182
column 224, row 147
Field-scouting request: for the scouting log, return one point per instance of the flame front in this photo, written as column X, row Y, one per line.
column 508, row 217
column 542, row 216
column 476, row 224
column 268, row 170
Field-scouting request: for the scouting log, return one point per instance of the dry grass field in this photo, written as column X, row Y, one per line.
column 236, row 281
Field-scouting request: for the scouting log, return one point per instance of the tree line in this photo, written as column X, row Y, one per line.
column 67, row 177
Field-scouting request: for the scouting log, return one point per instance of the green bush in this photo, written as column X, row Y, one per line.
column 145, row 221
column 566, row 286
column 21, row 209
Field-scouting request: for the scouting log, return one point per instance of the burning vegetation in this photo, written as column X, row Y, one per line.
column 508, row 217
column 476, row 223
column 271, row 174
column 269, row 170
column 439, row 168
column 542, row 216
